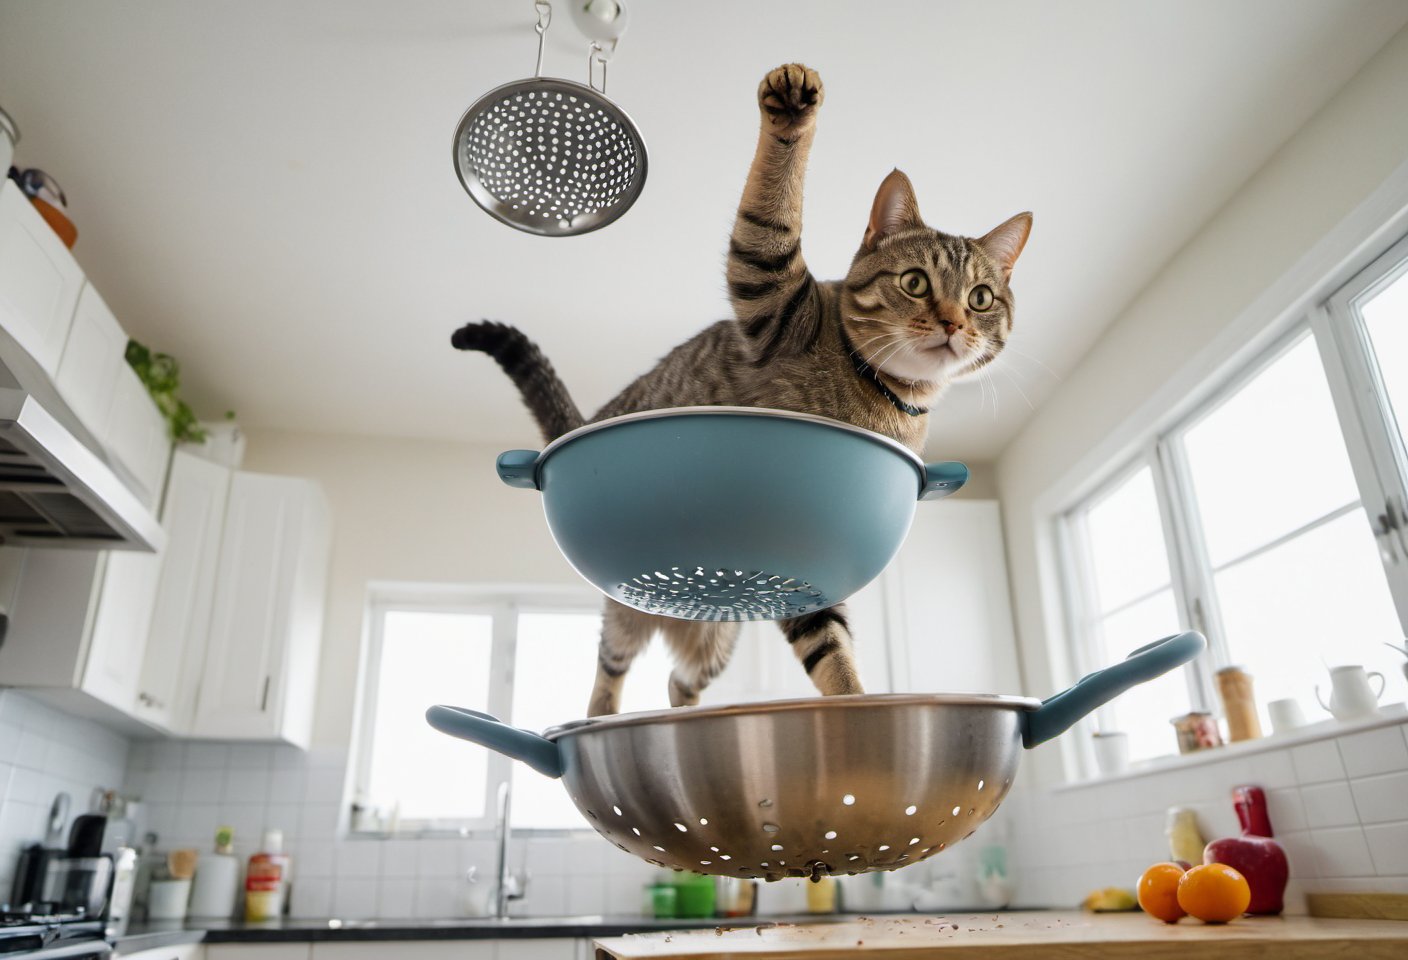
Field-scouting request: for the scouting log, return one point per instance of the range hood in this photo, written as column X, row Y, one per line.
column 55, row 492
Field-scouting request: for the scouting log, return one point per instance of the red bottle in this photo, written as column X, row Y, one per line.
column 1254, row 854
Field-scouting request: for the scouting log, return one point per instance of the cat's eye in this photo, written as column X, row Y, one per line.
column 980, row 297
column 914, row 282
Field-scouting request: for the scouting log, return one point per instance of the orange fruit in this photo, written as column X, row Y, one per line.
column 1214, row 893
column 1158, row 892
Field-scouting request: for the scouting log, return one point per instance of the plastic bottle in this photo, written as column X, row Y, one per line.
column 266, row 882
column 217, row 884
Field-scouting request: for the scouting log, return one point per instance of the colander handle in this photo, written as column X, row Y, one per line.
column 538, row 752
column 1059, row 713
column 518, row 468
column 942, row 479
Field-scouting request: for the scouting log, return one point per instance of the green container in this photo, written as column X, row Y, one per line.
column 664, row 901
column 694, row 896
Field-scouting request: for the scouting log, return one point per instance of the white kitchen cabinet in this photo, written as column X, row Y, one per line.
column 93, row 355
column 78, row 625
column 258, row 951
column 183, row 951
column 406, row 950
column 948, row 606
column 136, row 436
column 266, row 620
column 39, row 280
column 109, row 399
column 194, row 517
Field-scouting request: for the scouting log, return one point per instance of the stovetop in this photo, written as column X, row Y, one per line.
column 25, row 932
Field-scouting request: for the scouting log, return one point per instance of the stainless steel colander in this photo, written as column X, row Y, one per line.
column 551, row 157
column 846, row 784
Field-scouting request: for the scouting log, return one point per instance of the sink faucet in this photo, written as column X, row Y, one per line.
column 510, row 886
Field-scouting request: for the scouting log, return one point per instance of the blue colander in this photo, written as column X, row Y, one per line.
column 728, row 513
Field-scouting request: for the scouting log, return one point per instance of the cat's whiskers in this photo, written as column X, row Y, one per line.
column 884, row 339
column 1019, row 355
column 1019, row 390
column 877, row 345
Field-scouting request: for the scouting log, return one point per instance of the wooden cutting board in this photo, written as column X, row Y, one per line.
column 1036, row 935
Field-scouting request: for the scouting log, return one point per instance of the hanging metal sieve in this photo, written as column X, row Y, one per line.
column 548, row 156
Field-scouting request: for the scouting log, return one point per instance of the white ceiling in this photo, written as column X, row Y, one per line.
column 264, row 188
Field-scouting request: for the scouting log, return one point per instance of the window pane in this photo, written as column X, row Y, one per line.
column 1386, row 318
column 554, row 668
column 1126, row 543
column 429, row 658
column 1315, row 602
column 1144, row 713
column 1271, row 459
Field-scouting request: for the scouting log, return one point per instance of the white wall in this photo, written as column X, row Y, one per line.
column 1261, row 255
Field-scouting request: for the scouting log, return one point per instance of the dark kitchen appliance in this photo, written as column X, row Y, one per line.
column 80, row 881
column 35, row 859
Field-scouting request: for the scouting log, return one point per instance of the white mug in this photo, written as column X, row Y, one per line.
column 1350, row 695
column 1111, row 753
column 1285, row 714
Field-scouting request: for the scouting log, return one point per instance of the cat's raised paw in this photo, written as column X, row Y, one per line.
column 788, row 98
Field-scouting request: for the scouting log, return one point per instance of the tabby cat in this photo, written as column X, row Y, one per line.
column 918, row 309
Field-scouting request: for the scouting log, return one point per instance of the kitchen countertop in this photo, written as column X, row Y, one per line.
column 1045, row 935
column 147, row 935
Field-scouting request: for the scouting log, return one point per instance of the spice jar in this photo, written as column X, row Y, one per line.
column 1196, row 731
column 1234, row 685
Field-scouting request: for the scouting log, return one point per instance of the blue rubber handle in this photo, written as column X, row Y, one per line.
column 942, row 479
column 1057, row 714
column 518, row 468
column 538, row 752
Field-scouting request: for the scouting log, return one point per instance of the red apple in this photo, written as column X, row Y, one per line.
column 1254, row 854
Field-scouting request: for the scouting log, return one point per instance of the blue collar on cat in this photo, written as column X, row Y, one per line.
column 867, row 372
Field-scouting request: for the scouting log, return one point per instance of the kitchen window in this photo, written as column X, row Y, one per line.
column 1271, row 519
column 528, row 656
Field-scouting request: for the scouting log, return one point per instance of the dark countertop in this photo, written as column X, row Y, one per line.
column 150, row 935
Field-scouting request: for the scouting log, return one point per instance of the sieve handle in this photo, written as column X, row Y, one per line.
column 1059, row 713
column 942, row 479
column 518, row 468
column 538, row 752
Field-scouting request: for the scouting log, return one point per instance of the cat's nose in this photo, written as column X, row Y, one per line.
column 950, row 317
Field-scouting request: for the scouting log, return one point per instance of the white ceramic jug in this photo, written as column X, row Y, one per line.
column 1350, row 695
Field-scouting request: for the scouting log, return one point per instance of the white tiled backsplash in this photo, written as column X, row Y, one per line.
column 44, row 751
column 189, row 789
column 1338, row 805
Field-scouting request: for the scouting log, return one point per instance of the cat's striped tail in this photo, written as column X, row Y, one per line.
column 544, row 393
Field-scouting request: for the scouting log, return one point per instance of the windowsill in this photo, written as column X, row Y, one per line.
column 1389, row 715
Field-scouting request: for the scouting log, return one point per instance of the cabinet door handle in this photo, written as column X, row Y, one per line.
column 264, row 697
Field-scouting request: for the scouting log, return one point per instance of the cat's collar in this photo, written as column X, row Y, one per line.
column 866, row 372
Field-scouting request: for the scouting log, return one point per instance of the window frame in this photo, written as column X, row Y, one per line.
column 1377, row 451
column 1378, row 460
column 503, row 603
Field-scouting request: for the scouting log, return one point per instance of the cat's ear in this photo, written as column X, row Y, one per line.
column 894, row 209
column 1004, row 243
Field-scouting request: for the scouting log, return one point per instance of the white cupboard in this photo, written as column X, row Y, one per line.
column 194, row 517
column 266, row 617
column 39, row 280
column 78, row 624
column 109, row 400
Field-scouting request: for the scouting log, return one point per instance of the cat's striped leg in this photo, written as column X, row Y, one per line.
column 822, row 641
column 701, row 650
column 775, row 298
column 624, row 634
